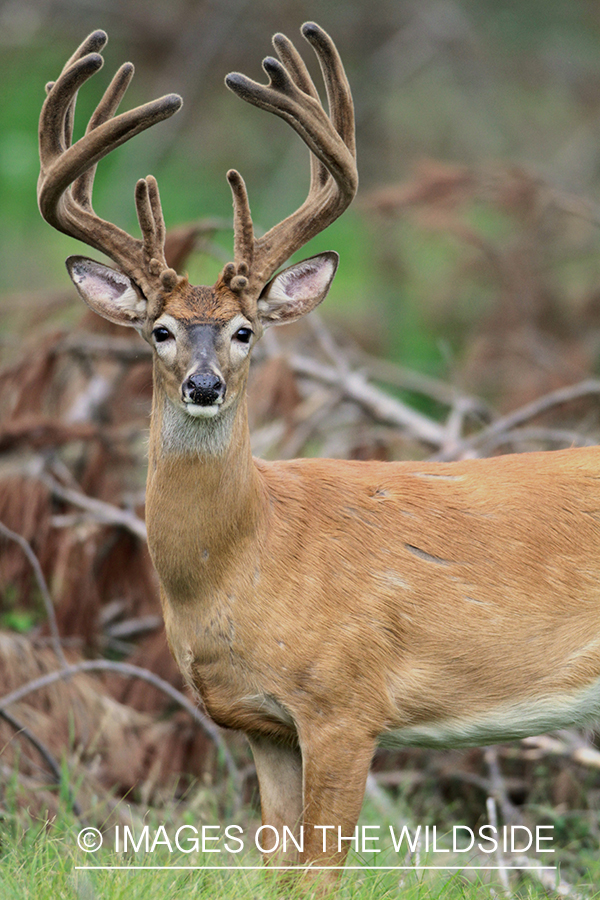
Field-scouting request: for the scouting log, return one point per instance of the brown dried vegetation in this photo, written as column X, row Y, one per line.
column 74, row 408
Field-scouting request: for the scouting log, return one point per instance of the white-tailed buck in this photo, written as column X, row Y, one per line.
column 323, row 606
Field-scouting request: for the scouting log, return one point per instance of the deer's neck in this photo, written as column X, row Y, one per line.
column 175, row 434
column 205, row 499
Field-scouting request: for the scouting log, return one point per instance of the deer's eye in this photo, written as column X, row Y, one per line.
column 161, row 334
column 243, row 335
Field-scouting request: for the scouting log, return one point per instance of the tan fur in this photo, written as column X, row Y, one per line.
column 323, row 605
column 202, row 304
column 319, row 604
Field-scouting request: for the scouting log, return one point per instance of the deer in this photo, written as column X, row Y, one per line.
column 323, row 607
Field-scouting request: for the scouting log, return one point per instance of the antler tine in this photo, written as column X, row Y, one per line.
column 152, row 223
column 243, row 229
column 92, row 45
column 67, row 170
column 291, row 95
column 82, row 186
column 294, row 63
column 339, row 95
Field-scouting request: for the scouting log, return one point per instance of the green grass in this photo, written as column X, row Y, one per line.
column 41, row 860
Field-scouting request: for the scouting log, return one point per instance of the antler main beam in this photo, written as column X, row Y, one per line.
column 67, row 170
column 291, row 94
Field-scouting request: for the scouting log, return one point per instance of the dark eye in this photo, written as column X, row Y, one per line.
column 243, row 335
column 161, row 334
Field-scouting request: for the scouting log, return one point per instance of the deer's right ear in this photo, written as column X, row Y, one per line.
column 109, row 293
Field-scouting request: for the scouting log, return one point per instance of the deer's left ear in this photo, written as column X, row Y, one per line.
column 297, row 290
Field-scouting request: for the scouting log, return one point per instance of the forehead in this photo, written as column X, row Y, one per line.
column 189, row 305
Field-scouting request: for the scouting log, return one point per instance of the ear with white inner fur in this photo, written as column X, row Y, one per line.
column 109, row 293
column 297, row 290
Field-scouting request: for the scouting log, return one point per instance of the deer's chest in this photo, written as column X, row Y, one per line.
column 215, row 661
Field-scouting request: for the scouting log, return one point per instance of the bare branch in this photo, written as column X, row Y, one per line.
column 409, row 380
column 102, row 512
column 382, row 406
column 57, row 776
column 589, row 386
column 498, row 788
column 44, row 591
column 130, row 671
column 493, row 820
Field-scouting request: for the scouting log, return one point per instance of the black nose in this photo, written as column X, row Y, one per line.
column 204, row 388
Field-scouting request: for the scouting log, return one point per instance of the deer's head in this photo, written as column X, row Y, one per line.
column 201, row 336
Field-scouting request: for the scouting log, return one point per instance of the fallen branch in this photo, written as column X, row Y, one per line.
column 130, row 671
column 408, row 380
column 568, row 744
column 57, row 775
column 105, row 513
column 589, row 386
column 43, row 587
column 380, row 405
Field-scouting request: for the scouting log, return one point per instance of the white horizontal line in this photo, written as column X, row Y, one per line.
column 313, row 868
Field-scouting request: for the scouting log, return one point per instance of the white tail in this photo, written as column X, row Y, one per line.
column 322, row 606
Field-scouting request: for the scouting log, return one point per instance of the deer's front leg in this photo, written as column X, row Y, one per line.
column 335, row 768
column 279, row 770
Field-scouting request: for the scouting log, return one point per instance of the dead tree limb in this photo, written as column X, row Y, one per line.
column 586, row 388
column 380, row 405
column 130, row 671
column 43, row 587
column 105, row 513
column 57, row 775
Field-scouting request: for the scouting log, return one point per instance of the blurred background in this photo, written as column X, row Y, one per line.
column 503, row 96
column 469, row 286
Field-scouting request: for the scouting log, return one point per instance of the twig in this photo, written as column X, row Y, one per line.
column 44, row 753
column 408, row 380
column 490, row 804
column 379, row 404
column 134, row 627
column 43, row 587
column 498, row 788
column 327, row 343
column 529, row 411
column 305, row 427
column 545, row 435
column 130, row 671
column 455, row 421
column 105, row 513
